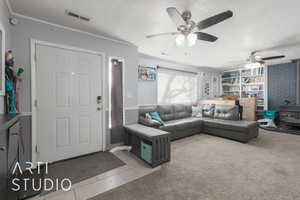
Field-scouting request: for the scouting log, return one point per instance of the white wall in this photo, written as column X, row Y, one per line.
column 4, row 20
column 147, row 90
column 209, row 85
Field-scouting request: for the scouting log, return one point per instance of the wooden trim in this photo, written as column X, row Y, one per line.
column 218, row 102
column 174, row 69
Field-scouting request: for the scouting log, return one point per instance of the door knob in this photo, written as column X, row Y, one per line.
column 99, row 99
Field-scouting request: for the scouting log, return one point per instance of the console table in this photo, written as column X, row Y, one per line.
column 15, row 146
column 9, row 150
column 149, row 144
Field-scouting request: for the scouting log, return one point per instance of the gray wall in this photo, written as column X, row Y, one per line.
column 147, row 90
column 28, row 29
column 136, row 92
column 298, row 82
column 4, row 20
column 281, row 84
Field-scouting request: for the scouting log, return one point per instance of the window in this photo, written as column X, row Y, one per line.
column 176, row 86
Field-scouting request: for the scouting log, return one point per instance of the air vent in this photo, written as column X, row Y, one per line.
column 78, row 16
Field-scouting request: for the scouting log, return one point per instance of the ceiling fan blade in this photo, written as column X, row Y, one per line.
column 161, row 34
column 214, row 20
column 273, row 57
column 175, row 16
column 205, row 37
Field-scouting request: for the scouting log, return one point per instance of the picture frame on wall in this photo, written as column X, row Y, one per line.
column 147, row 73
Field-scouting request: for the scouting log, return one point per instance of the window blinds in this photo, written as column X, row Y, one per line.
column 176, row 86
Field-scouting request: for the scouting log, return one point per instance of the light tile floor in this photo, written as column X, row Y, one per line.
column 91, row 187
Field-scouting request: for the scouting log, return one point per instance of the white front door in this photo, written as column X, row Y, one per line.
column 69, row 117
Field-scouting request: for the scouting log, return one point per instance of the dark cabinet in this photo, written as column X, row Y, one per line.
column 14, row 140
column 3, row 165
column 15, row 146
column 25, row 147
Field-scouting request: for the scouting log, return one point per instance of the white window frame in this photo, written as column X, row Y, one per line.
column 194, row 75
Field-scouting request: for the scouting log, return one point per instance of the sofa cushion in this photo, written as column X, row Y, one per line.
column 228, row 124
column 226, row 112
column 182, row 124
column 182, row 111
column 147, row 109
column 208, row 110
column 166, row 112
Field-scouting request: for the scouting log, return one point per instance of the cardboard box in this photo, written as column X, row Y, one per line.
column 249, row 108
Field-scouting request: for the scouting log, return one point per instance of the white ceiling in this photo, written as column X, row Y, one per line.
column 256, row 24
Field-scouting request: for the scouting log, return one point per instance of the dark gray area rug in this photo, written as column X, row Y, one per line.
column 284, row 129
column 205, row 167
column 82, row 168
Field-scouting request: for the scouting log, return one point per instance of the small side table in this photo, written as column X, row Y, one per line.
column 149, row 144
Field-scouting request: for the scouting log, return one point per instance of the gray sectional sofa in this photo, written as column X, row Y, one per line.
column 218, row 120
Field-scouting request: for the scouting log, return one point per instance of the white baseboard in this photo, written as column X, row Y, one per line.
column 25, row 113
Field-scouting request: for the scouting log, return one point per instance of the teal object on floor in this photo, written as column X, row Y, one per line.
column 146, row 152
column 270, row 114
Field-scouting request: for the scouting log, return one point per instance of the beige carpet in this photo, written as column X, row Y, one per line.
column 212, row 168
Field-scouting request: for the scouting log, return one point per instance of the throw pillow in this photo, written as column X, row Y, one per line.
column 150, row 123
column 208, row 110
column 148, row 117
column 155, row 116
column 196, row 111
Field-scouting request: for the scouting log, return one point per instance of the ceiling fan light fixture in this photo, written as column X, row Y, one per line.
column 180, row 40
column 191, row 39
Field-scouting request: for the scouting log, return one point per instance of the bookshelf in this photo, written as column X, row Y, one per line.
column 231, row 82
column 247, row 83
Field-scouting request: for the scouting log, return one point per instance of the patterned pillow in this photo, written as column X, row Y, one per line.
column 208, row 110
column 196, row 111
column 148, row 121
column 148, row 117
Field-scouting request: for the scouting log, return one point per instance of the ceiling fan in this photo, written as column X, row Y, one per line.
column 255, row 60
column 188, row 30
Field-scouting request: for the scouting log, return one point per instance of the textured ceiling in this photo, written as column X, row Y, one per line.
column 256, row 24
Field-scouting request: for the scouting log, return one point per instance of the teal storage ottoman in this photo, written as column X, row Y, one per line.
column 270, row 114
column 151, row 145
column 146, row 152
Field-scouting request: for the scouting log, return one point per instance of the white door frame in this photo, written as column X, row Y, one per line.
column 33, row 44
column 2, row 57
column 123, row 85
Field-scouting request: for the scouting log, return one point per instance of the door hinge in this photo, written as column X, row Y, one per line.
column 36, row 149
column 35, row 103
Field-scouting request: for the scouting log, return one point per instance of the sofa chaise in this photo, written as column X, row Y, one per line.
column 218, row 120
